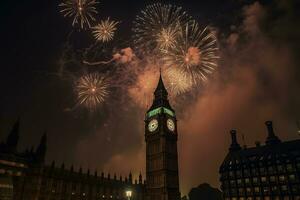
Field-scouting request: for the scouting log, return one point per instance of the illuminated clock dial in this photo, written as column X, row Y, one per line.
column 170, row 124
column 153, row 124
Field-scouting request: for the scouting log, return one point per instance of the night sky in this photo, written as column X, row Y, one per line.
column 257, row 80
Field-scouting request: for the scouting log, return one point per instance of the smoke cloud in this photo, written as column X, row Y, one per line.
column 256, row 81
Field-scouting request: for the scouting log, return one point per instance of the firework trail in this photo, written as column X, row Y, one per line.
column 82, row 11
column 105, row 30
column 124, row 56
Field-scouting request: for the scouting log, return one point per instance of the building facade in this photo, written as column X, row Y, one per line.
column 264, row 172
column 25, row 176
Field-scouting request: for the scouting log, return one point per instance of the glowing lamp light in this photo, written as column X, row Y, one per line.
column 128, row 194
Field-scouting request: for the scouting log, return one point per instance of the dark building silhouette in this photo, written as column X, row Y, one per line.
column 205, row 192
column 264, row 172
column 161, row 148
column 26, row 176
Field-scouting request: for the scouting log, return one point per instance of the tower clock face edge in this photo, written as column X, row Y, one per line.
column 153, row 125
column 171, row 125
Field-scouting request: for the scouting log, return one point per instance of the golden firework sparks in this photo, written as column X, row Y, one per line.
column 195, row 54
column 105, row 30
column 177, row 82
column 156, row 23
column 167, row 38
column 92, row 90
column 82, row 11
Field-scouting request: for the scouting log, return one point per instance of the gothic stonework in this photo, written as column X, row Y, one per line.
column 25, row 176
column 161, row 148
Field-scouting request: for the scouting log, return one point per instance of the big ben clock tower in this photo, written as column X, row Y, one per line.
column 161, row 148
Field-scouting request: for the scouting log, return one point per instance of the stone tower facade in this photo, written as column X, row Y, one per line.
column 161, row 148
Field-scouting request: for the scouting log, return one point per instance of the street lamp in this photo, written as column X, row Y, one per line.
column 128, row 194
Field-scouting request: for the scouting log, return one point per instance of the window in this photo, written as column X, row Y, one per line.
column 281, row 178
column 239, row 181
column 254, row 172
column 241, row 191
column 232, row 183
column 284, row 188
column 263, row 179
column 294, row 188
column 272, row 179
column 270, row 169
column 292, row 177
column 247, row 180
column 274, row 188
column 289, row 167
column 280, row 168
column 256, row 190
column 255, row 180
column 266, row 189
column 233, row 191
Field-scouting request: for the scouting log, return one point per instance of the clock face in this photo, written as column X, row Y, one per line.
column 170, row 124
column 153, row 124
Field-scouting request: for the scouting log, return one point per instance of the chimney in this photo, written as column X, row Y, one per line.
column 234, row 144
column 140, row 178
column 272, row 138
column 130, row 177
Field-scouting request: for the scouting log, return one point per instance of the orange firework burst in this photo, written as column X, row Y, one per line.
column 195, row 54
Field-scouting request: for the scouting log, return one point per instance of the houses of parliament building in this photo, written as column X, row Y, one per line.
column 263, row 172
column 26, row 176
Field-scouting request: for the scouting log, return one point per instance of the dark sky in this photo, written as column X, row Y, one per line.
column 257, row 81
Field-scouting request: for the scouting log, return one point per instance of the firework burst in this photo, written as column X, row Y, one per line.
column 177, row 82
column 166, row 39
column 105, row 30
column 195, row 54
column 156, row 25
column 92, row 90
column 82, row 11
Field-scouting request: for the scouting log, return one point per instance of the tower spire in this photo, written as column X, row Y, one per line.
column 13, row 137
column 160, row 95
column 42, row 148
